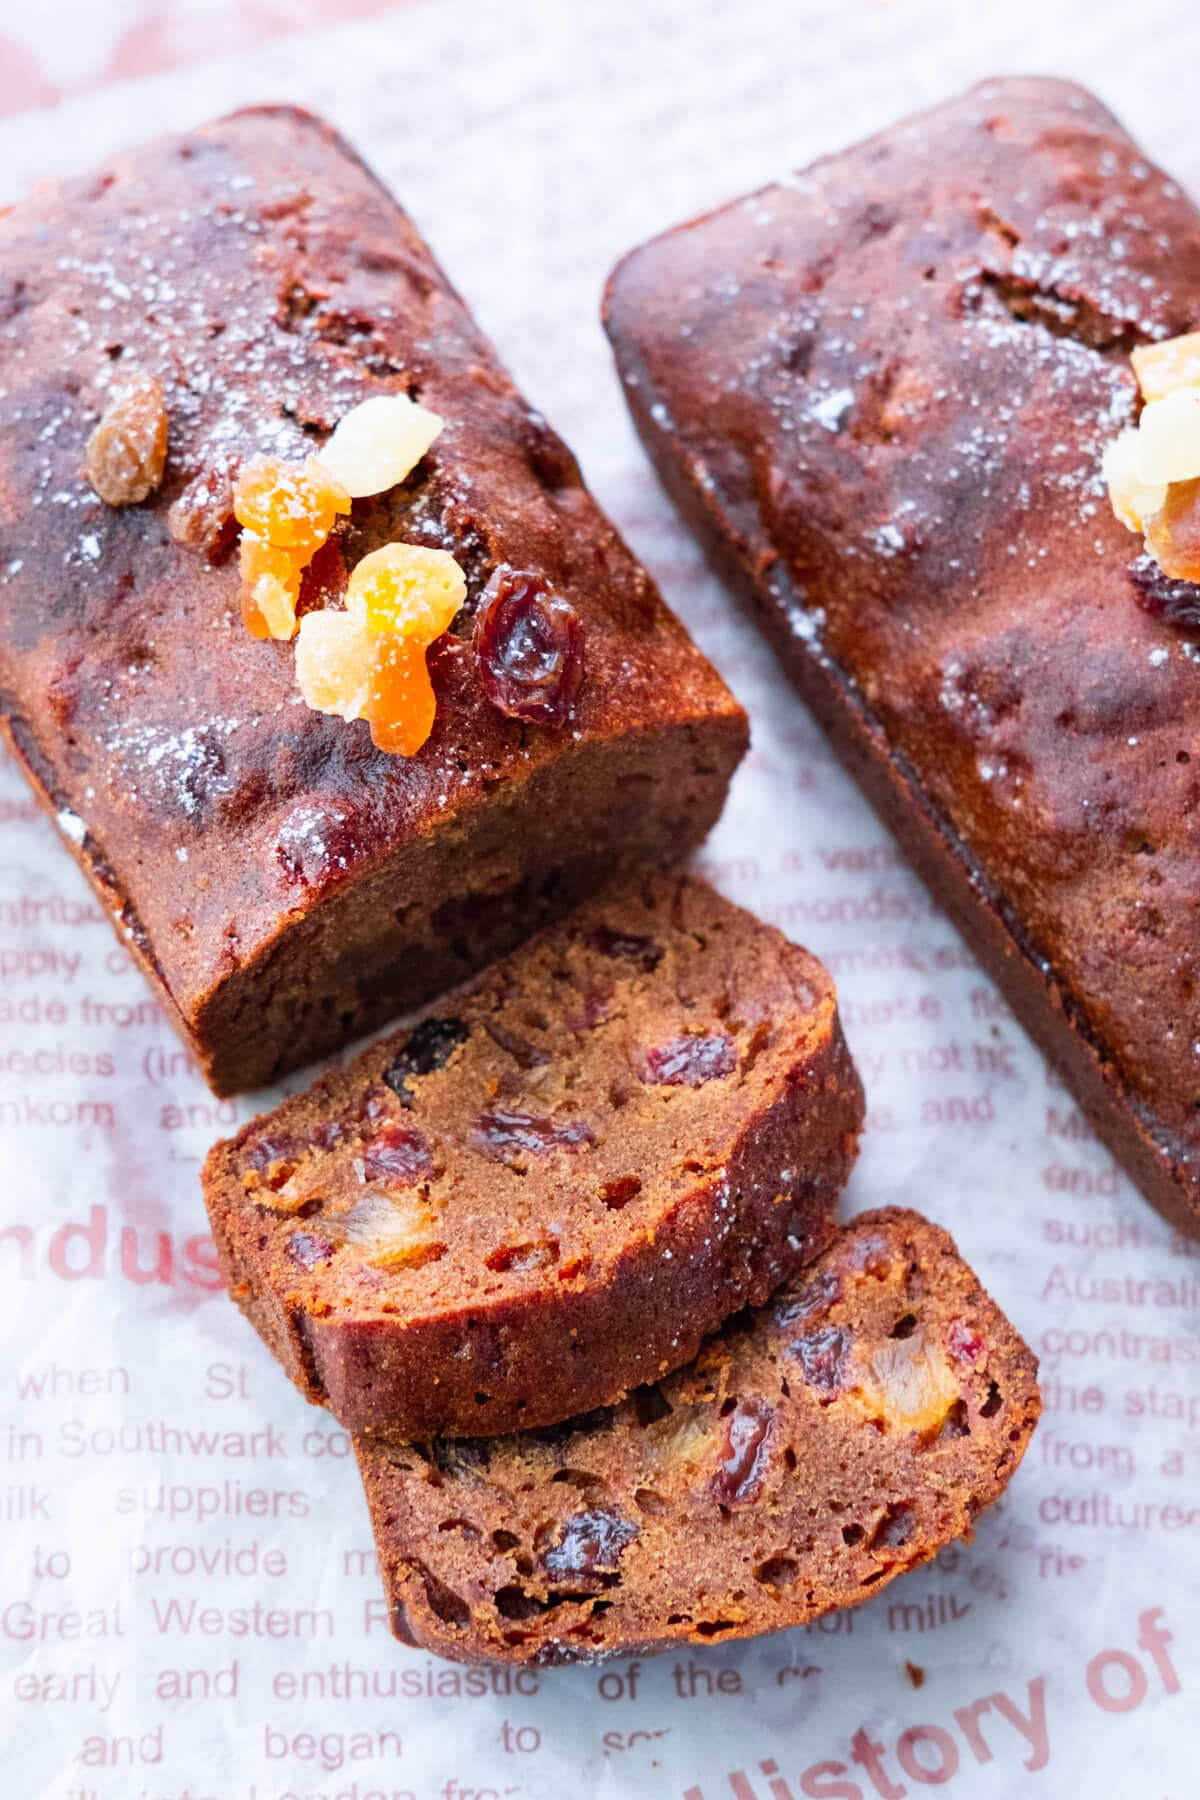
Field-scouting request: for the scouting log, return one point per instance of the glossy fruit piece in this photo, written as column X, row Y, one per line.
column 401, row 705
column 1173, row 533
column 1161, row 368
column 407, row 589
column 291, row 506
column 379, row 443
column 334, row 659
column 270, row 587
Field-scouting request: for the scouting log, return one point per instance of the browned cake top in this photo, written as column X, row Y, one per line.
column 894, row 376
column 814, row 1449
column 513, row 1146
column 257, row 269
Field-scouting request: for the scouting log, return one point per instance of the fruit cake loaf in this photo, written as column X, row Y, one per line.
column 814, row 1450
column 882, row 392
column 284, row 884
column 540, row 1198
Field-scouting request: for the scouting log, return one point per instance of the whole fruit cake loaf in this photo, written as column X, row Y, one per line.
column 814, row 1450
column 531, row 1202
column 240, row 404
column 883, row 391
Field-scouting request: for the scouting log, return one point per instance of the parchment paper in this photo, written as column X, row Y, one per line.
column 189, row 1605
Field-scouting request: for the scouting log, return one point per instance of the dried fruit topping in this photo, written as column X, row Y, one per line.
column 815, row 1296
column 591, row 1543
column 308, row 1249
column 1153, row 469
column 428, row 1046
column 627, row 945
column 824, row 1356
column 529, row 648
column 127, row 452
column 291, row 506
column 378, row 443
column 270, row 587
column 369, row 661
column 503, row 1135
column 745, row 1453
column 914, row 1387
column 399, row 1156
column 689, row 1061
column 964, row 1342
column 1178, row 601
column 1161, row 368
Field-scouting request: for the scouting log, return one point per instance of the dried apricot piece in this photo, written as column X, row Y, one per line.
column 291, row 506
column 407, row 589
column 127, row 452
column 270, row 587
column 1161, row 368
column 378, row 443
column 401, row 704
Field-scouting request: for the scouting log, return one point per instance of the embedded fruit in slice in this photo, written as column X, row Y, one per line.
column 378, row 443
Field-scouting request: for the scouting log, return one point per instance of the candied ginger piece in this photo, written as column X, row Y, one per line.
column 379, row 443
column 1132, row 500
column 334, row 655
column 1173, row 532
column 402, row 705
column 1168, row 438
column 270, row 587
column 407, row 589
column 1161, row 368
column 289, row 505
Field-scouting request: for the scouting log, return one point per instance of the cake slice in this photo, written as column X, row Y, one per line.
column 549, row 1190
column 883, row 391
column 235, row 293
column 813, row 1451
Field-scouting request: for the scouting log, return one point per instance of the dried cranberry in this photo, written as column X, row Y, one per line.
column 745, row 1453
column 815, row 1296
column 1163, row 597
column 823, row 1355
column 964, row 1342
column 398, row 1156
column 429, row 1046
column 275, row 1158
column 529, row 648
column 591, row 1543
column 500, row 1134
column 690, row 1061
column 308, row 1248
column 626, row 944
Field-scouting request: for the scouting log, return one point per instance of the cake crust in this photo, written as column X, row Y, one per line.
column 283, row 884
column 881, row 393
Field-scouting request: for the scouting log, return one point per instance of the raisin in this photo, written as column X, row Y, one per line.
column 964, row 1342
column 528, row 645
column 815, row 1296
column 591, row 1543
column 428, row 1047
column 309, row 1248
column 127, row 452
column 1159, row 595
column 500, row 1134
column 398, row 1156
column 275, row 1158
column 823, row 1356
column 690, row 1061
column 627, row 945
column 745, row 1453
